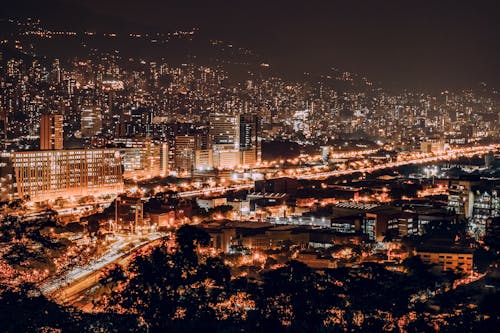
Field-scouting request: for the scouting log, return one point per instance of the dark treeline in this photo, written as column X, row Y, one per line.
column 176, row 288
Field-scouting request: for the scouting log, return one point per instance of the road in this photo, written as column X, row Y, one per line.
column 77, row 278
column 211, row 190
column 411, row 158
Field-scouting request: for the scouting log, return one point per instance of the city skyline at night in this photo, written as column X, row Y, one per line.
column 229, row 166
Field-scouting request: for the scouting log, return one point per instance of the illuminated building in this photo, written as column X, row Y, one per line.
column 163, row 219
column 448, row 258
column 226, row 159
column 486, row 205
column 224, row 134
column 185, row 147
column 461, row 197
column 211, row 203
column 235, row 140
column 164, row 159
column 129, row 213
column 7, row 191
column 143, row 158
column 3, row 130
column 228, row 236
column 240, row 206
column 112, row 84
column 51, row 132
column 203, row 159
column 71, row 85
column 433, row 146
column 91, row 122
column 250, row 140
column 52, row 174
column 224, row 131
column 139, row 123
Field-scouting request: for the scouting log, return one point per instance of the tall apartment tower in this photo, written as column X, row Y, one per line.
column 3, row 130
column 51, row 132
column 225, row 138
column 185, row 148
column 224, row 131
column 249, row 132
column 91, row 121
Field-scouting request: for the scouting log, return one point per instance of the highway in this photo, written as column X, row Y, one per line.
column 407, row 159
column 413, row 158
column 119, row 249
column 211, row 190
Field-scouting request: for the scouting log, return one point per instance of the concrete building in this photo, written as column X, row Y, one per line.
column 226, row 159
column 129, row 213
column 163, row 219
column 250, row 140
column 486, row 205
column 4, row 121
column 461, row 198
column 7, row 186
column 51, row 132
column 185, row 148
column 52, row 174
column 235, row 140
column 211, row 203
column 91, row 122
column 228, row 236
column 455, row 259
column 224, row 131
column 143, row 158
column 203, row 160
column 164, row 159
column 433, row 146
column 278, row 185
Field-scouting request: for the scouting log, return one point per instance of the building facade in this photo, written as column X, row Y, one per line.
column 52, row 174
column 447, row 259
column 51, row 132
column 143, row 158
column 91, row 122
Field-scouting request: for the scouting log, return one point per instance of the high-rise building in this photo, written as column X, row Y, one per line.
column 224, row 131
column 3, row 130
column 249, row 131
column 185, row 148
column 203, row 159
column 250, row 140
column 235, row 140
column 461, row 196
column 51, row 132
column 7, row 191
column 143, row 158
column 164, row 159
column 486, row 205
column 139, row 122
column 91, row 122
column 52, row 174
column 56, row 71
column 433, row 146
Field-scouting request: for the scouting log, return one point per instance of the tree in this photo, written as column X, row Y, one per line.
column 297, row 297
column 189, row 237
column 93, row 227
column 172, row 288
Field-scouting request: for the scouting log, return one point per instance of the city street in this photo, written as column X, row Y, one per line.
column 81, row 278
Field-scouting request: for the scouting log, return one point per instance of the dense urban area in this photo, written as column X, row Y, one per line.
column 150, row 190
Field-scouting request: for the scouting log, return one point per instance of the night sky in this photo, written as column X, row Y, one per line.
column 415, row 44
